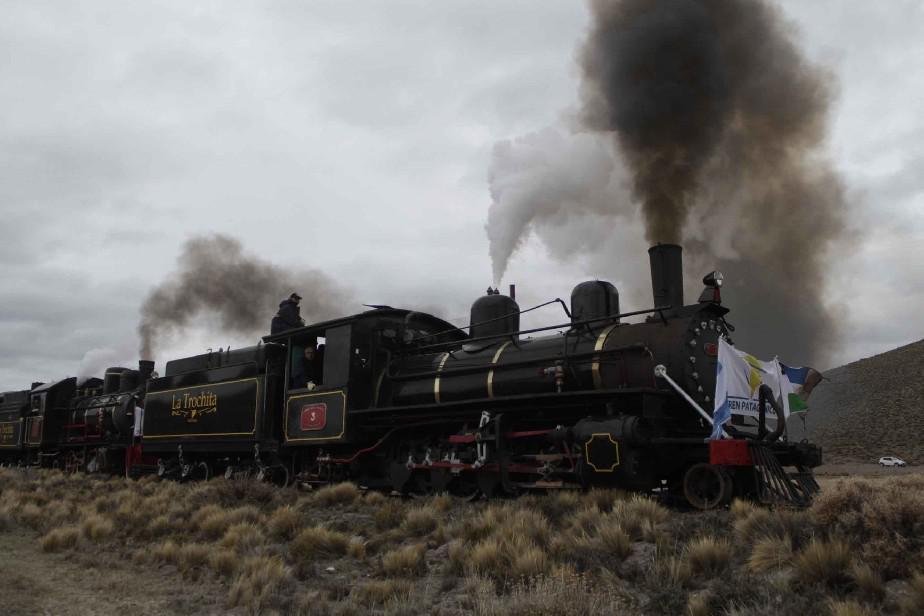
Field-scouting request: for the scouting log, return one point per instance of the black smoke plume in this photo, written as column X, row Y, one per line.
column 215, row 276
column 718, row 120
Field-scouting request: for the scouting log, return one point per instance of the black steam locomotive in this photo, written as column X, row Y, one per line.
column 404, row 401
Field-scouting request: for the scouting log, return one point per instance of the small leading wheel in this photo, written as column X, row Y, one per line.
column 706, row 486
column 200, row 472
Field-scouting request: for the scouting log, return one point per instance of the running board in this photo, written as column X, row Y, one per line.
column 776, row 485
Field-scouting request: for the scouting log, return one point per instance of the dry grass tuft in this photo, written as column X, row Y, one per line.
column 613, row 539
column 318, row 541
column 741, row 508
column 585, row 520
column 223, row 562
column 883, row 518
column 389, row 515
column 167, row 551
column 529, row 561
column 260, row 584
column 442, row 503
column 31, row 515
column 506, row 561
column 159, row 526
column 357, row 548
column 192, row 558
column 213, row 522
column 378, row 593
column 407, row 561
column 243, row 537
column 913, row 603
column 760, row 523
column 708, row 556
column 640, row 517
column 96, row 528
column 564, row 593
column 511, row 524
column 701, row 604
column 374, row 498
column 770, row 553
column 868, row 582
column 603, row 499
column 420, row 521
column 284, row 523
column 60, row 539
column 338, row 494
column 848, row 608
column 488, row 559
column 458, row 557
column 824, row 562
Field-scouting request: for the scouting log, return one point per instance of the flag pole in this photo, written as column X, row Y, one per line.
column 661, row 372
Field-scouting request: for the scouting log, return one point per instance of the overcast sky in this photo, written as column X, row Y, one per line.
column 355, row 138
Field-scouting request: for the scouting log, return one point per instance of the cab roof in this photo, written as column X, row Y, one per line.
column 383, row 312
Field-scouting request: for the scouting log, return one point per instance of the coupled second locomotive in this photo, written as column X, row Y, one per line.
column 404, row 401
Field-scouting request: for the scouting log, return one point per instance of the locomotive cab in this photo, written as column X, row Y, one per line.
column 337, row 366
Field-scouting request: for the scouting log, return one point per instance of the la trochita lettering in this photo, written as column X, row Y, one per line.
column 205, row 400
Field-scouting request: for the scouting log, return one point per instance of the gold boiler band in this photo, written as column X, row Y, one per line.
column 595, row 368
column 436, row 381
column 491, row 372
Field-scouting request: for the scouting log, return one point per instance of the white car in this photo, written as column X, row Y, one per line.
column 891, row 461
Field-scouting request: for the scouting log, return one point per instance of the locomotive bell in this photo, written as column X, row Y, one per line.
column 494, row 315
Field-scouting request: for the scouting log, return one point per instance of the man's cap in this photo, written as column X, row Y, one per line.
column 295, row 296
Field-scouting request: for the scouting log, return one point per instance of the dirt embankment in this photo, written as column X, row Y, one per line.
column 870, row 408
column 93, row 581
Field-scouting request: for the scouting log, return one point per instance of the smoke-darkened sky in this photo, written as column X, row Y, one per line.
column 355, row 139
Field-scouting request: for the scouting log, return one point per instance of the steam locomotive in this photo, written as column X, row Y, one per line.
column 404, row 401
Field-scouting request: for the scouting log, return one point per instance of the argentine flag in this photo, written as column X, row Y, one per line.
column 721, row 413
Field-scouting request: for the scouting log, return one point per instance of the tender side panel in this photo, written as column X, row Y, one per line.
column 10, row 434
column 212, row 411
column 316, row 417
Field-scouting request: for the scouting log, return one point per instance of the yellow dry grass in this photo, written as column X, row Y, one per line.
column 284, row 523
column 708, row 557
column 407, row 561
column 338, row 494
column 261, row 581
column 420, row 521
column 849, row 608
column 60, row 539
column 824, row 562
column 378, row 593
column 96, row 528
column 770, row 553
column 318, row 541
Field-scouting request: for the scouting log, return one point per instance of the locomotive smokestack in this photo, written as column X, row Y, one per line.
column 667, row 275
column 145, row 368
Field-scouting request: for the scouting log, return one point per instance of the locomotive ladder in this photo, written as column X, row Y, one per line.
column 775, row 484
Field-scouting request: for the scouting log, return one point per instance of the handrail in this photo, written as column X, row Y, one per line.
column 611, row 317
column 471, row 325
column 514, row 364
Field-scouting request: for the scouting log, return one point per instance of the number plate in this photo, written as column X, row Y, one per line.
column 313, row 417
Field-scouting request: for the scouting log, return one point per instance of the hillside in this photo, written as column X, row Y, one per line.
column 870, row 408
